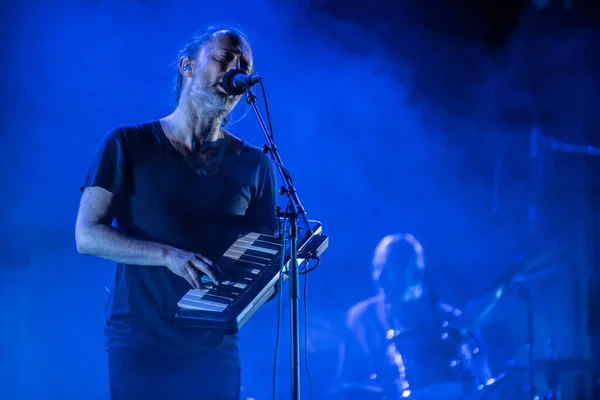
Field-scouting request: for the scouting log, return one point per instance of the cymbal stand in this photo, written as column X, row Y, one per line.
column 554, row 392
column 526, row 293
column 589, row 150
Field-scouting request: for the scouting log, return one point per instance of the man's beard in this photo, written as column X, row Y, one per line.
column 206, row 102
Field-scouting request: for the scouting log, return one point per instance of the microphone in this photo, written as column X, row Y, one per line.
column 235, row 82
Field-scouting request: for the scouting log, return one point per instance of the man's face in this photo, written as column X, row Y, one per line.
column 218, row 56
column 398, row 275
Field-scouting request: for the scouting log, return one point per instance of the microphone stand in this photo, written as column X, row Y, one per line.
column 526, row 294
column 293, row 212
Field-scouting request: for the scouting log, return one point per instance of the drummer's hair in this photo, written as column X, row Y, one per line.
column 390, row 242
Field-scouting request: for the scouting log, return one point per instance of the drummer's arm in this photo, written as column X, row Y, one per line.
column 343, row 349
column 335, row 390
column 353, row 342
column 356, row 330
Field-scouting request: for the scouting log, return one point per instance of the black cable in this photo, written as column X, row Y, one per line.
column 306, row 270
column 279, row 299
column 262, row 88
column 282, row 257
column 283, row 169
column 310, row 385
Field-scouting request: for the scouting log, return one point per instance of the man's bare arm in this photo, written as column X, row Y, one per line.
column 94, row 235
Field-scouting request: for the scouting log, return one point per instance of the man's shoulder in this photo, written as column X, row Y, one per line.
column 254, row 151
column 133, row 129
column 357, row 313
column 132, row 137
column 254, row 157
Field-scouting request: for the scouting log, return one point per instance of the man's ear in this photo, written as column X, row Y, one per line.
column 186, row 67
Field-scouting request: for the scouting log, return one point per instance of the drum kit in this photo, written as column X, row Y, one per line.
column 453, row 366
column 449, row 361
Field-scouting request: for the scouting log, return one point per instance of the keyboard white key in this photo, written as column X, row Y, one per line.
column 193, row 299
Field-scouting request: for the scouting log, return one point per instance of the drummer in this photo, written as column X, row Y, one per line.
column 402, row 303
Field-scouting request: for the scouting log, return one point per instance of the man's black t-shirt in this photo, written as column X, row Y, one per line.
column 162, row 199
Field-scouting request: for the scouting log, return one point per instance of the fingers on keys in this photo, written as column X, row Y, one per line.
column 194, row 276
column 207, row 267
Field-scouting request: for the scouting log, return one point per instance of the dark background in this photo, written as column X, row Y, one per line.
column 393, row 116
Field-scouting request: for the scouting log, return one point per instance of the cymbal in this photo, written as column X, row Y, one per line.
column 553, row 364
column 534, row 270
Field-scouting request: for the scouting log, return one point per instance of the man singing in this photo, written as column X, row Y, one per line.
column 180, row 190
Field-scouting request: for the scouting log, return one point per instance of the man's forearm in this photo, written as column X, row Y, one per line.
column 110, row 243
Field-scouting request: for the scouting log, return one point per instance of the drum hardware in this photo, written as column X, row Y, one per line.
column 441, row 361
column 520, row 279
column 552, row 368
column 476, row 313
column 444, row 362
column 526, row 293
column 538, row 140
column 522, row 285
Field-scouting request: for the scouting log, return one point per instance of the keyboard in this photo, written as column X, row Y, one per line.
column 252, row 268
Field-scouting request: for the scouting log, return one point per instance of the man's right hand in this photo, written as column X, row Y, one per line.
column 191, row 266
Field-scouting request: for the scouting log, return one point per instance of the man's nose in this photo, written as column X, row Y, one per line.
column 235, row 63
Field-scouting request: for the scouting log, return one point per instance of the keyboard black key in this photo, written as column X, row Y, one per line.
column 216, row 299
column 261, row 254
column 232, row 284
column 239, row 272
column 228, row 290
column 266, row 245
column 259, row 260
column 230, row 299
column 246, row 264
column 222, row 293
column 270, row 239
